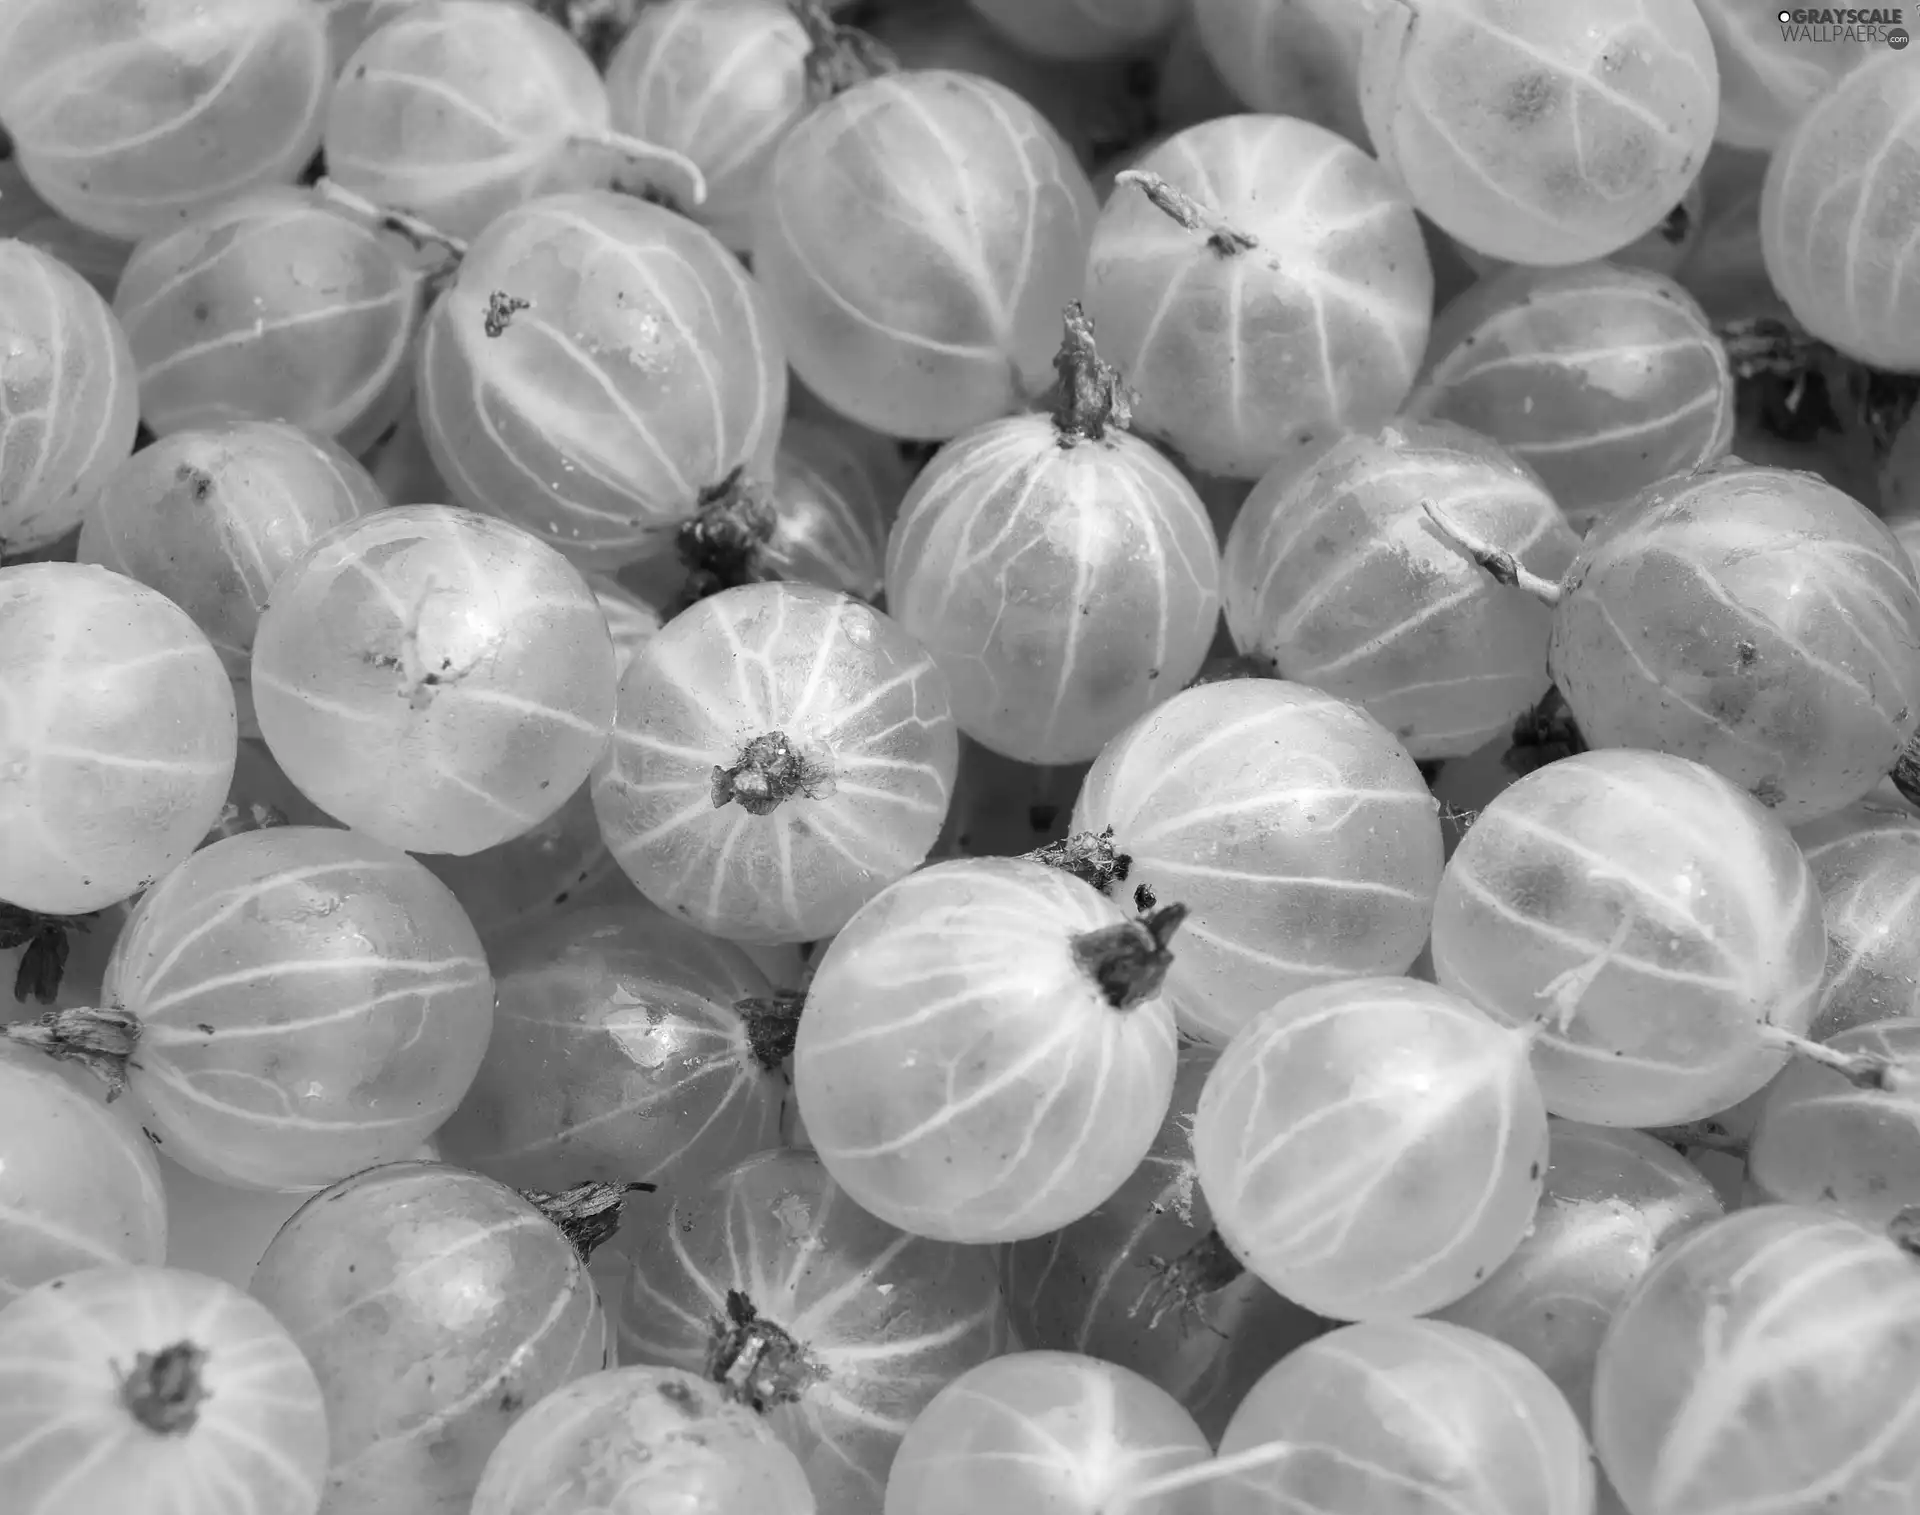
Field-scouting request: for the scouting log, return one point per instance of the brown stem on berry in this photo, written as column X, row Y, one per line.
column 756, row 1360
column 102, row 1041
column 771, row 770
column 1089, row 856
column 1504, row 566
column 1088, row 396
column 1184, row 1282
column 421, row 235
column 588, row 1215
column 773, row 1021
column 1864, row 1070
column 723, row 545
column 647, row 165
column 1129, row 961
column 1224, row 239
column 840, row 56
column 164, row 1391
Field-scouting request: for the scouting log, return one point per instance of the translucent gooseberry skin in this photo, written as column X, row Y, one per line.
column 69, row 1444
column 1602, row 379
column 118, row 737
column 128, row 119
column 1766, row 1359
column 1065, row 584
column 1768, row 79
column 1414, row 1412
column 631, row 620
column 1756, row 620
column 272, row 306
column 920, row 234
column 1540, row 135
column 435, row 1307
column 1647, row 922
column 213, row 518
column 1663, row 250
column 79, row 1187
column 69, row 400
column 348, row 996
column 1097, row 1286
column 720, row 81
column 1611, row 1200
column 534, row 876
column 858, row 704
column 960, row 1073
column 1372, row 1149
column 617, row 1057
column 451, row 647
column 1337, row 577
column 1823, row 1143
column 645, row 369
column 1866, row 863
column 1049, row 1431
column 1296, row 830
column 620, row 1439
column 1835, row 211
column 1239, row 359
column 1076, row 30
column 1290, row 57
column 25, row 216
column 884, row 1321
column 459, row 110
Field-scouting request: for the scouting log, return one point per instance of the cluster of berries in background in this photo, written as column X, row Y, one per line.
column 959, row 757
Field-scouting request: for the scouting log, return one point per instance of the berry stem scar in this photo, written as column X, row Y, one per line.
column 1189, row 212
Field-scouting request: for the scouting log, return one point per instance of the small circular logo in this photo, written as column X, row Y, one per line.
column 1786, row 16
column 1897, row 38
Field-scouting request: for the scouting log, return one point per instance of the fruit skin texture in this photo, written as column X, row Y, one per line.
column 435, row 1307
column 644, row 369
column 631, row 1441
column 1065, row 584
column 961, row 1075
column 921, row 233
column 865, row 1325
column 1755, row 620
column 69, row 1444
column 1241, row 358
column 1372, row 1149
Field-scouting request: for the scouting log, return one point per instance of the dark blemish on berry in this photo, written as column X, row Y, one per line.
column 1042, row 817
column 1532, row 98
column 1534, row 1171
column 1746, row 652
column 680, row 1397
column 203, row 1028
column 197, row 480
column 201, row 310
column 148, row 1134
column 1144, row 899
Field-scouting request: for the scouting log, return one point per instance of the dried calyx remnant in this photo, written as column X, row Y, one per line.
column 501, row 309
column 838, row 57
column 1543, row 735
column 773, row 1021
column 771, row 770
column 1129, row 961
column 43, row 963
column 723, row 544
column 1224, row 239
column 759, row 1363
column 1184, row 1282
column 1906, row 773
column 1796, row 387
column 587, row 1214
column 164, row 1391
column 101, row 1041
column 1089, row 856
column 1088, row 396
